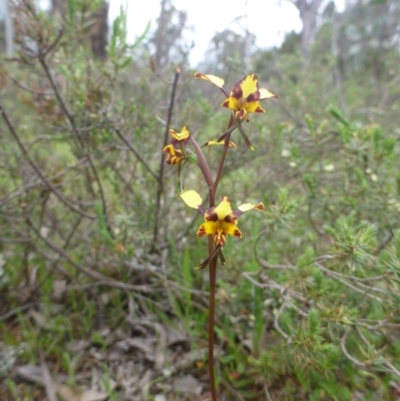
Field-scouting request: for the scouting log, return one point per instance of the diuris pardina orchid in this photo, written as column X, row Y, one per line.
column 244, row 98
column 176, row 151
column 221, row 220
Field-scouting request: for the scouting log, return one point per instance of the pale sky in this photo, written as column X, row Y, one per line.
column 269, row 20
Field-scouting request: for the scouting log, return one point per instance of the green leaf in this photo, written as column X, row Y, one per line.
column 335, row 112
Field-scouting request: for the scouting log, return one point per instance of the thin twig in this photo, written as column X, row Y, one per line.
column 106, row 281
column 267, row 393
column 266, row 265
column 348, row 356
column 269, row 283
column 38, row 170
column 70, row 119
column 160, row 187
column 26, row 89
column 16, row 311
column 276, row 322
column 37, row 183
column 392, row 368
column 341, row 279
column 47, row 380
column 136, row 153
column 224, row 153
column 368, row 345
column 232, row 389
column 288, row 113
column 379, row 325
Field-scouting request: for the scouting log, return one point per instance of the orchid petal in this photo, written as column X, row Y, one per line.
column 207, row 228
column 173, row 155
column 223, row 212
column 245, row 207
column 222, row 142
column 266, row 94
column 180, row 136
column 192, row 199
column 217, row 81
column 249, row 87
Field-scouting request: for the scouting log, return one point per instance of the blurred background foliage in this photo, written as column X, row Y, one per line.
column 308, row 302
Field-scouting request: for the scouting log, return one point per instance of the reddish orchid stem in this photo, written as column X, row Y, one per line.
column 211, row 316
column 224, row 153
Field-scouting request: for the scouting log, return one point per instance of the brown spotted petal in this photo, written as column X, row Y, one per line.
column 222, row 212
column 220, row 221
column 182, row 136
column 245, row 98
column 174, row 154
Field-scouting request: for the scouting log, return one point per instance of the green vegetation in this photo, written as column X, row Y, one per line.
column 97, row 280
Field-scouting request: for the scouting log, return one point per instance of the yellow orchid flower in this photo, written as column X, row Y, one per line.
column 184, row 135
column 219, row 221
column 245, row 96
column 174, row 154
column 176, row 150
